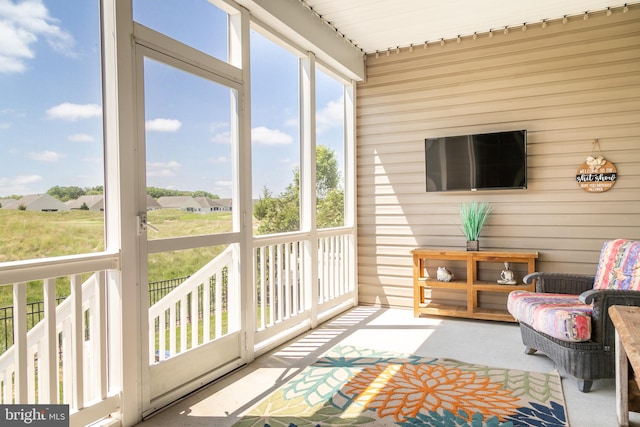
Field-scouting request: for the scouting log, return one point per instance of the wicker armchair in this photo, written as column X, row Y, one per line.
column 589, row 360
column 594, row 358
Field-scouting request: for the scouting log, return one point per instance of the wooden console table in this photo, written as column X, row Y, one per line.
column 626, row 320
column 467, row 284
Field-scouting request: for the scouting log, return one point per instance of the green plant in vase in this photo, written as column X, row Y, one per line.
column 473, row 216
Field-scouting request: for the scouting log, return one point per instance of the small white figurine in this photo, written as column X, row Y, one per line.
column 426, row 273
column 506, row 276
column 444, row 274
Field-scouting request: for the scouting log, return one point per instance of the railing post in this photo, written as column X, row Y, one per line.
column 100, row 353
column 77, row 340
column 20, row 341
column 48, row 375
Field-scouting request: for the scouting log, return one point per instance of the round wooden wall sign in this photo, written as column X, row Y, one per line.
column 596, row 175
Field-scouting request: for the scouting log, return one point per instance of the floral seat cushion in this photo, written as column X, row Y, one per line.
column 561, row 316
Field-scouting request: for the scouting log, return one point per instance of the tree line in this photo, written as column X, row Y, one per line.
column 65, row 194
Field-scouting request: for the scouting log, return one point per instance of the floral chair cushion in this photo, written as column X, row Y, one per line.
column 619, row 266
column 559, row 315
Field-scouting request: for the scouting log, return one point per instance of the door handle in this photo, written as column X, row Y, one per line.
column 143, row 224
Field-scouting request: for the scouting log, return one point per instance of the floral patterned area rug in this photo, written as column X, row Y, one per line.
column 362, row 387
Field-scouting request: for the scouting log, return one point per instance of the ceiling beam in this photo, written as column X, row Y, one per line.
column 300, row 25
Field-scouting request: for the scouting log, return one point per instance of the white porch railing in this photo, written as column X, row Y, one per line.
column 279, row 273
column 190, row 304
column 63, row 358
column 334, row 266
column 285, row 296
column 289, row 295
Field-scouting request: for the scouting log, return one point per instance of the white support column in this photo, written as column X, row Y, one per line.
column 239, row 52
column 308, row 179
column 350, row 217
column 127, row 361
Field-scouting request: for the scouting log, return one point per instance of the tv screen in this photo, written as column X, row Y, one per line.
column 488, row 161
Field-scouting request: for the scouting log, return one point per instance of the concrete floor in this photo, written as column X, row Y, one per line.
column 490, row 343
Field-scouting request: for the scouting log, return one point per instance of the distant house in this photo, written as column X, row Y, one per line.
column 222, row 205
column 206, row 204
column 185, row 203
column 152, row 204
column 41, row 203
column 214, row 205
column 7, row 203
column 94, row 202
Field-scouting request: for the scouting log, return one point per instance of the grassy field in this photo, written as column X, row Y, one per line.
column 30, row 235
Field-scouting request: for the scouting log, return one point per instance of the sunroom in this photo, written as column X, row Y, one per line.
column 310, row 118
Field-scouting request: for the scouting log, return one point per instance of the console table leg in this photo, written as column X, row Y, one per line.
column 622, row 383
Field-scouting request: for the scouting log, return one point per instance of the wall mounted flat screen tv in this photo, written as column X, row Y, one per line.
column 489, row 161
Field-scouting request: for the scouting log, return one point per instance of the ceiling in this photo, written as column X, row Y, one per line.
column 378, row 25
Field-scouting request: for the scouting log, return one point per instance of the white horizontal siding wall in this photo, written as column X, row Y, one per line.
column 567, row 84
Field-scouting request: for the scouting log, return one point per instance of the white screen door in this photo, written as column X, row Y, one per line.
column 190, row 238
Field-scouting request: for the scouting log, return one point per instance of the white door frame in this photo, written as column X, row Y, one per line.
column 169, row 380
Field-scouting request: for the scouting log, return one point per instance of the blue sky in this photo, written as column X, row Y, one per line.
column 50, row 102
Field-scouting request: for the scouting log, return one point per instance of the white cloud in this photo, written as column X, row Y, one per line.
column 332, row 115
column 74, row 112
column 328, row 117
column 18, row 184
column 222, row 134
column 46, row 156
column 80, row 137
column 21, row 24
column 14, row 47
column 264, row 135
column 10, row 65
column 215, row 126
column 26, row 179
column 222, row 138
column 163, row 125
column 5, row 126
column 163, row 168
